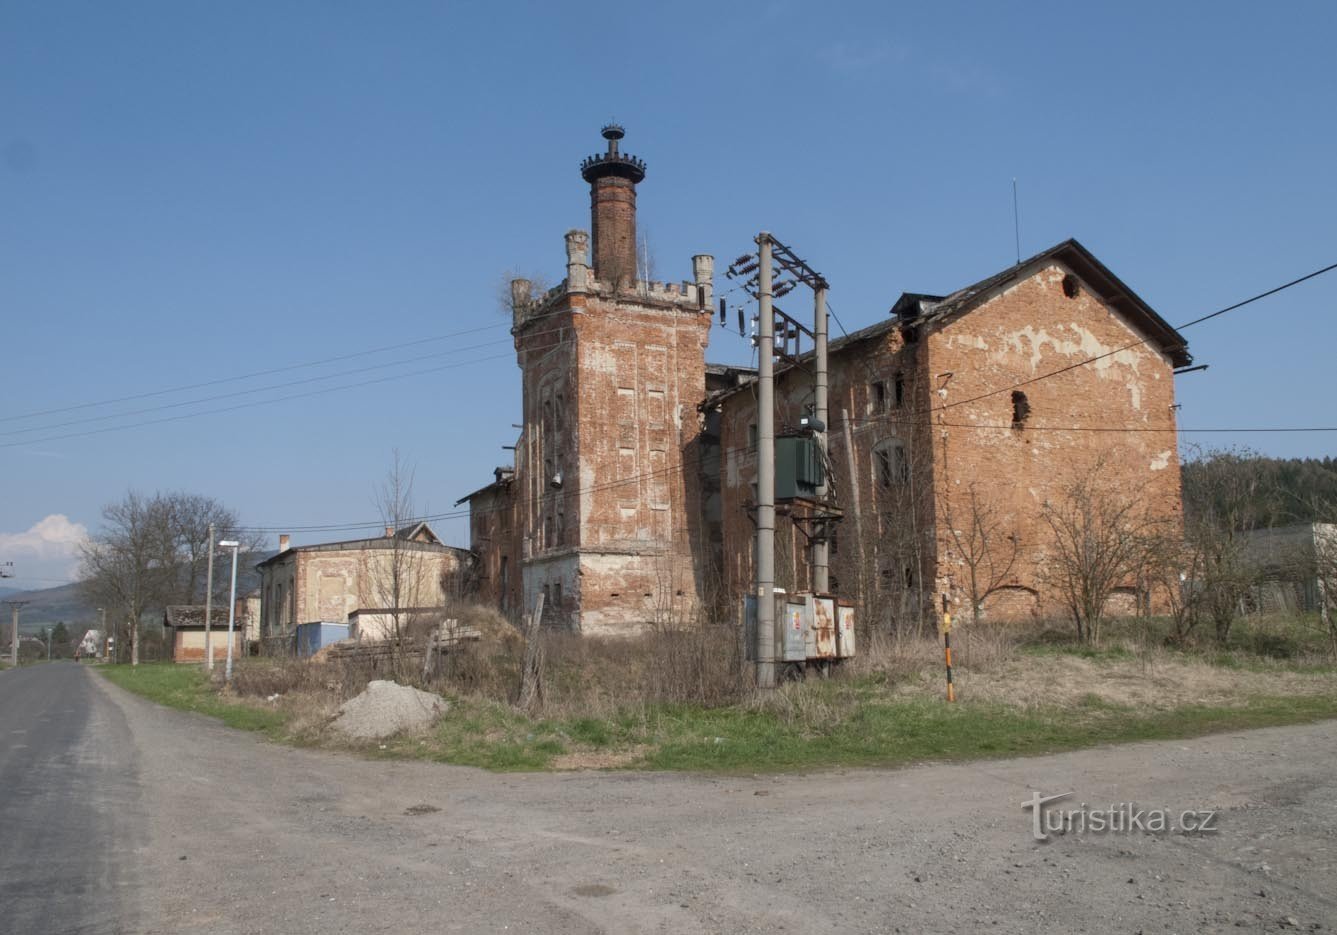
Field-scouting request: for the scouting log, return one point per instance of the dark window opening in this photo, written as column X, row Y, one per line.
column 884, row 467
column 879, row 396
column 835, row 544
column 557, row 596
column 1021, row 409
column 752, row 436
column 900, row 390
column 834, row 582
column 1070, row 286
column 561, row 528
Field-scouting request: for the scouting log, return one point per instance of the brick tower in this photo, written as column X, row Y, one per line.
column 603, row 499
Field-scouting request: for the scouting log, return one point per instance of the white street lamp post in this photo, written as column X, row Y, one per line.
column 234, row 545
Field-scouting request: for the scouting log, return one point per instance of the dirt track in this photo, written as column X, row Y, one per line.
column 292, row 841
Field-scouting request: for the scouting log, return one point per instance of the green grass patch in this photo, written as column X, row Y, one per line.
column 187, row 688
column 814, row 725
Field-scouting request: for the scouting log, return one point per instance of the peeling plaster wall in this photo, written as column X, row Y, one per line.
column 1023, row 332
column 611, row 379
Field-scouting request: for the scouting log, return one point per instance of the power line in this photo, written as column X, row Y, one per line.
column 1132, row 429
column 247, row 392
column 247, row 376
column 1137, row 343
column 231, row 395
column 247, row 405
column 531, row 500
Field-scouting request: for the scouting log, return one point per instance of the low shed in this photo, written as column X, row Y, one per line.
column 184, row 634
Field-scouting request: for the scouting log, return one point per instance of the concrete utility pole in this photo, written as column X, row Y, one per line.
column 821, row 556
column 234, row 545
column 14, row 607
column 765, row 648
column 209, row 605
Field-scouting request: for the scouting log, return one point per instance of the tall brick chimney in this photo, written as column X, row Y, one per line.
column 613, row 177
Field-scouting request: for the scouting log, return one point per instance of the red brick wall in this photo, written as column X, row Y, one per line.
column 613, row 215
column 906, row 553
column 1116, row 413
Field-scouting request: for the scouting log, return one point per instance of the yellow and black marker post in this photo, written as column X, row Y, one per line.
column 947, row 647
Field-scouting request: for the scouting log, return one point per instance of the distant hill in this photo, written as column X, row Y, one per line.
column 49, row 606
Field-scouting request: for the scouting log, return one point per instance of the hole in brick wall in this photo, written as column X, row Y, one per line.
column 1070, row 286
column 615, row 594
column 1021, row 409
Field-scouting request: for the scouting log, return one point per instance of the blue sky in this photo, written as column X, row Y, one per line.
column 191, row 191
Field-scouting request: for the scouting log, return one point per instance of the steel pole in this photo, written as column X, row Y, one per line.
column 821, row 556
column 765, row 649
column 231, row 616
column 209, row 606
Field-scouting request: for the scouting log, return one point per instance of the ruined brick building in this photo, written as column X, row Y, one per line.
column 630, row 497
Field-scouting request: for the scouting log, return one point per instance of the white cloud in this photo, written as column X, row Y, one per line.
column 48, row 549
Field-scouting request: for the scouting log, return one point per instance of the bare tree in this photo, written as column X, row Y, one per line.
column 401, row 580
column 123, row 565
column 189, row 517
column 512, row 297
column 1228, row 500
column 987, row 548
column 1100, row 541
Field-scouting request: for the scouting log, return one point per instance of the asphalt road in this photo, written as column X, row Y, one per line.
column 159, row 822
column 71, row 805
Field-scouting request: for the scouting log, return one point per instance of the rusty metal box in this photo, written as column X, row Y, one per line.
column 794, row 645
column 823, row 643
column 844, row 629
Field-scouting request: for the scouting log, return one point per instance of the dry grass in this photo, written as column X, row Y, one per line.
column 610, row 703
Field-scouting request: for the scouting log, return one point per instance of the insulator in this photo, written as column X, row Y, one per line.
column 743, row 259
column 723, row 312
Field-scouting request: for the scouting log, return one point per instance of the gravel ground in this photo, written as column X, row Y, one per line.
column 246, row 836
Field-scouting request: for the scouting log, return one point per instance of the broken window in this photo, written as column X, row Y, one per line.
column 879, row 393
column 1021, row 409
column 557, row 596
column 893, row 468
column 834, row 582
column 561, row 528
column 835, row 543
column 900, row 390
column 547, row 532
